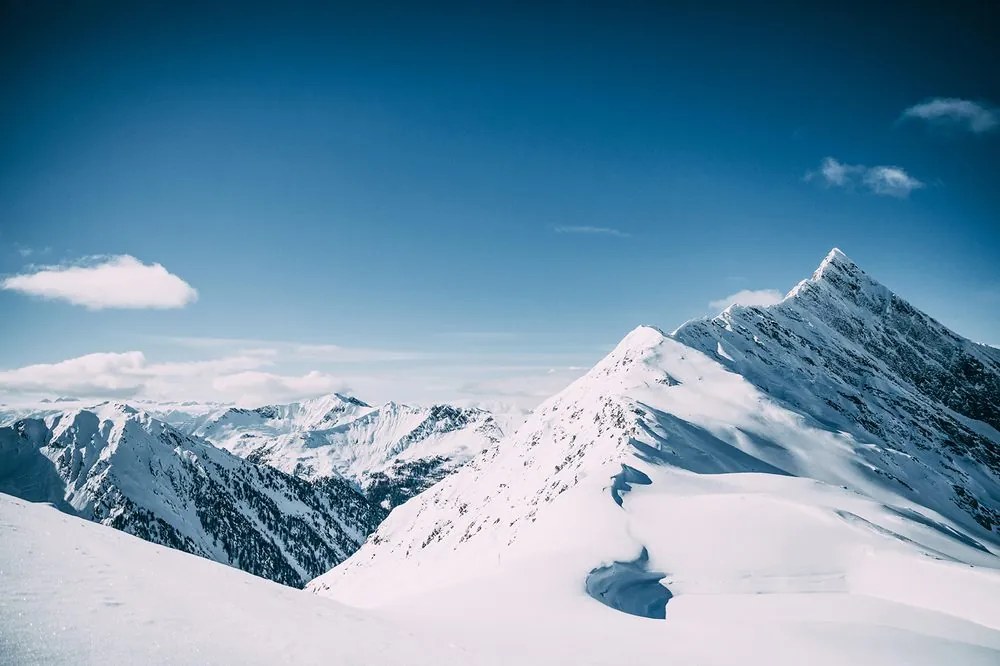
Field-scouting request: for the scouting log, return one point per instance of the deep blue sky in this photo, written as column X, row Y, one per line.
column 389, row 179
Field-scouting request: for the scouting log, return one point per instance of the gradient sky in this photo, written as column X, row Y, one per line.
column 473, row 203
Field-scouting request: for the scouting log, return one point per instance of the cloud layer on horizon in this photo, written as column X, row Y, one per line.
column 238, row 378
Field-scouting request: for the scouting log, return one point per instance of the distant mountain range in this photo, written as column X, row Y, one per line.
column 281, row 491
column 121, row 467
column 392, row 451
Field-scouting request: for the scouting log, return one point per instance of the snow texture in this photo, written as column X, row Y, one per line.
column 824, row 489
column 74, row 592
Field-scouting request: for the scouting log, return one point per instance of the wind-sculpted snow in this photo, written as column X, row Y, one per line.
column 631, row 588
column 781, row 519
column 622, row 482
column 122, row 468
column 392, row 451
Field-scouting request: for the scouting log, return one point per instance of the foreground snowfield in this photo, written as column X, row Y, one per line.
column 761, row 570
column 72, row 591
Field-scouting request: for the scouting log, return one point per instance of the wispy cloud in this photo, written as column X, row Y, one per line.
column 98, row 283
column 890, row 181
column 953, row 111
column 300, row 351
column 479, row 336
column 593, row 231
column 748, row 297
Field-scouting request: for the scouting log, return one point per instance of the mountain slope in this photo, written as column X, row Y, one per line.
column 392, row 451
column 663, row 484
column 122, row 468
column 848, row 352
column 75, row 592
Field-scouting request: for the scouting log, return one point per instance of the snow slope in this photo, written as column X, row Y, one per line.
column 778, row 537
column 392, row 451
column 118, row 466
column 73, row 592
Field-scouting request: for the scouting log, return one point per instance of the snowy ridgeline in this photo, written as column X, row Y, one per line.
column 819, row 476
column 391, row 451
column 815, row 481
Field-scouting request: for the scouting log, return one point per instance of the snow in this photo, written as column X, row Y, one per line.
column 120, row 466
column 338, row 435
column 810, row 482
column 341, row 436
column 776, row 537
column 844, row 352
column 72, row 591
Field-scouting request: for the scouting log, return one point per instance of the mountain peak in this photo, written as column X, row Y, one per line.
column 642, row 336
column 836, row 260
column 838, row 271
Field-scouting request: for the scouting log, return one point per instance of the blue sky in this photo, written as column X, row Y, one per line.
column 476, row 203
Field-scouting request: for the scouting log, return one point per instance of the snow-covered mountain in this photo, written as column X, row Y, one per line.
column 121, row 467
column 814, row 481
column 392, row 451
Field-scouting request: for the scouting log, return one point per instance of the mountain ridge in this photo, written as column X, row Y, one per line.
column 674, row 482
column 849, row 352
column 391, row 451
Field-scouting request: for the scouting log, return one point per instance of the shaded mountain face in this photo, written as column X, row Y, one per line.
column 744, row 464
column 392, row 451
column 120, row 467
column 846, row 351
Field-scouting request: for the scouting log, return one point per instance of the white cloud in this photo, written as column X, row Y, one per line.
column 974, row 117
column 890, row 181
column 255, row 379
column 92, row 375
column 254, row 387
column 592, row 231
column 748, row 297
column 108, row 282
column 129, row 374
